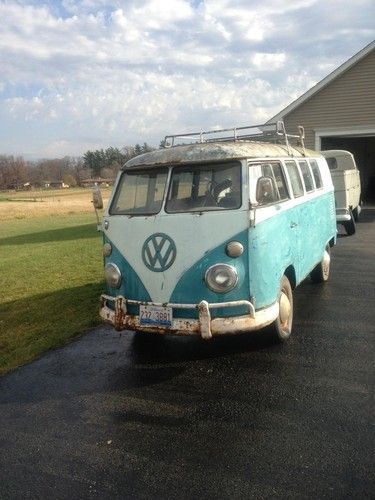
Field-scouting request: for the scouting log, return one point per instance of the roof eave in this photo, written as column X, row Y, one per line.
column 323, row 83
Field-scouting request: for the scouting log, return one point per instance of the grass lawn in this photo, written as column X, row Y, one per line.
column 50, row 282
column 47, row 202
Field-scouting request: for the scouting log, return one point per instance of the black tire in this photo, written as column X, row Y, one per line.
column 281, row 328
column 356, row 212
column 320, row 273
column 349, row 225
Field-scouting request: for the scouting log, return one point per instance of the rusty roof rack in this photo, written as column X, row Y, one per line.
column 269, row 132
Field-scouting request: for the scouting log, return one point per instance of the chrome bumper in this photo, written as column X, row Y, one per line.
column 203, row 326
column 342, row 215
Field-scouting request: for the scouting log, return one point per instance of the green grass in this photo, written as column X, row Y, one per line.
column 50, row 282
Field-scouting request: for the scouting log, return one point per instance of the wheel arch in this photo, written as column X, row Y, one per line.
column 290, row 273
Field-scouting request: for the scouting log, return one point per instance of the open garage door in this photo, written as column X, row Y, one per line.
column 363, row 149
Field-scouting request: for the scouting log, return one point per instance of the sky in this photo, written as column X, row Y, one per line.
column 88, row 74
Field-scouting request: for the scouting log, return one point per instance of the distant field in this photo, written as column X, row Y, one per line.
column 50, row 272
column 30, row 204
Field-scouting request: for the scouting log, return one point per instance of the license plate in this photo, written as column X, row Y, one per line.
column 155, row 316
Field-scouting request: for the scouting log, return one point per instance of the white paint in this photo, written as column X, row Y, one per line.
column 263, row 213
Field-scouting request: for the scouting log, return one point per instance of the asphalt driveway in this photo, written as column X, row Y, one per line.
column 127, row 416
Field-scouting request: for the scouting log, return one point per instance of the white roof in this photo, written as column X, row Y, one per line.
column 323, row 83
column 216, row 151
column 336, row 152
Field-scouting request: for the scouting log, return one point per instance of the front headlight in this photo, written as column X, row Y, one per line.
column 221, row 278
column 112, row 275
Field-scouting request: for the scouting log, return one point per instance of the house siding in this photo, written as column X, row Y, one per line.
column 346, row 102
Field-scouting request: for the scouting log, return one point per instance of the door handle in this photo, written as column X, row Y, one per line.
column 293, row 224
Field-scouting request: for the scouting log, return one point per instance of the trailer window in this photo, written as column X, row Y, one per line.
column 139, row 193
column 332, row 163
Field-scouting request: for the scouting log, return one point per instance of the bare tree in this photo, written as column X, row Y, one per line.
column 13, row 172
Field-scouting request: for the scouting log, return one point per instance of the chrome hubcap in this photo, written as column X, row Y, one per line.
column 284, row 308
column 326, row 262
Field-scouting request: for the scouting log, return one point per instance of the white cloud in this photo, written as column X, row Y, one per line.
column 114, row 72
column 270, row 62
column 158, row 14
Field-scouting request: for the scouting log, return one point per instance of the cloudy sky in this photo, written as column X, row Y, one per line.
column 86, row 74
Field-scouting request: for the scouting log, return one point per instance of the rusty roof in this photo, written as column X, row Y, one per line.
column 216, row 151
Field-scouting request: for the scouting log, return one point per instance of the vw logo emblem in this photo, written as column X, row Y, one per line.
column 159, row 252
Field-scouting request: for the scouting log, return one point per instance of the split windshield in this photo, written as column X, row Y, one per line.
column 196, row 188
column 140, row 193
column 204, row 187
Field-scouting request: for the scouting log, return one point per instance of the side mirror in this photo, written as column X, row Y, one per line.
column 97, row 198
column 266, row 191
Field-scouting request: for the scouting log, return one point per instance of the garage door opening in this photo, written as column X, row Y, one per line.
column 363, row 149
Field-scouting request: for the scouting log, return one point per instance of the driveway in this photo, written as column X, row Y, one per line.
column 128, row 416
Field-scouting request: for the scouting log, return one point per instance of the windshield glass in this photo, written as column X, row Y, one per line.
column 140, row 193
column 204, row 187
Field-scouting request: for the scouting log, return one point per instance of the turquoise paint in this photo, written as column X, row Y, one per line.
column 269, row 254
column 191, row 288
column 295, row 237
column 131, row 286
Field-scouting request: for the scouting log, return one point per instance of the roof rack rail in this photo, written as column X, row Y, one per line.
column 270, row 132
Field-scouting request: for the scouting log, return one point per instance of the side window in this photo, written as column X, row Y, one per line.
column 274, row 171
column 306, row 174
column 295, row 178
column 280, row 181
column 267, row 170
column 316, row 174
column 255, row 173
column 273, row 192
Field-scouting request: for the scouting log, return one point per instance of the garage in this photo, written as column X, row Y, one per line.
column 339, row 113
column 363, row 149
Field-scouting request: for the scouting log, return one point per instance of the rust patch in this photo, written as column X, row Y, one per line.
column 204, row 327
column 119, row 313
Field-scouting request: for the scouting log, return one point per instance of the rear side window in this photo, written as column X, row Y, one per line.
column 316, row 174
column 295, row 178
column 307, row 177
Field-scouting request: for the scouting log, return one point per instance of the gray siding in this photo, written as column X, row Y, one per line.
column 348, row 101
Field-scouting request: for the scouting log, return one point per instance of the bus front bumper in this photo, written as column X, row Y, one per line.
column 204, row 326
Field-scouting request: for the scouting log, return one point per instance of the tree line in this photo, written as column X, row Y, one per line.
column 16, row 173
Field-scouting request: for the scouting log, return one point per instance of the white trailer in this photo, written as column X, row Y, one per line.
column 347, row 184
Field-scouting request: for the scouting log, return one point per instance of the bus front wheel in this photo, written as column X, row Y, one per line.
column 320, row 273
column 282, row 326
